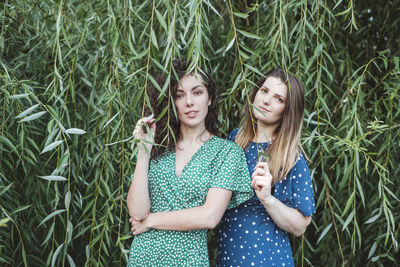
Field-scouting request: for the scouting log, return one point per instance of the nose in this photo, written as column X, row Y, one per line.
column 189, row 101
column 267, row 100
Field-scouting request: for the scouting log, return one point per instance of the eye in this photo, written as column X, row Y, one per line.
column 264, row 90
column 280, row 100
column 197, row 92
column 179, row 96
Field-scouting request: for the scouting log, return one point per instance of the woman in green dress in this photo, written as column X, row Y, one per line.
column 180, row 189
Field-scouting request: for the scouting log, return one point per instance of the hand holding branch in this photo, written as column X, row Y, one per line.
column 262, row 182
column 146, row 136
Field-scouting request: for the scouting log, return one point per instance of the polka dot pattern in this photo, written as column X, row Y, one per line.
column 247, row 235
column 218, row 163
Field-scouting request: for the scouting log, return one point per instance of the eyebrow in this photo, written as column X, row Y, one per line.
column 194, row 88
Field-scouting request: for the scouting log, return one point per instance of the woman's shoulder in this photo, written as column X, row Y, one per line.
column 232, row 135
column 227, row 145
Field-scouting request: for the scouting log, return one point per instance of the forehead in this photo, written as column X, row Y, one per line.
column 275, row 85
column 190, row 81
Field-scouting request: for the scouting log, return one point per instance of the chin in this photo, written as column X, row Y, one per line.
column 192, row 124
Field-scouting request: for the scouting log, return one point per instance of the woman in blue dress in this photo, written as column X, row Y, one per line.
column 256, row 232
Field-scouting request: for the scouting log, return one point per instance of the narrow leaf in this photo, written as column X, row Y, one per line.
column 51, row 216
column 51, row 146
column 324, row 232
column 27, row 111
column 18, row 96
column 229, row 45
column 249, row 35
column 75, row 131
column 33, row 116
column 53, row 178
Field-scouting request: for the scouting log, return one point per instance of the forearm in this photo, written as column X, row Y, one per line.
column 206, row 216
column 138, row 199
column 183, row 220
column 287, row 218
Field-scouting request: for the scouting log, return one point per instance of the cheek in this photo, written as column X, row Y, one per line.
column 257, row 98
column 280, row 111
column 178, row 106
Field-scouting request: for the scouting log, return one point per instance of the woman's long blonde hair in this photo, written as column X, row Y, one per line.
column 286, row 145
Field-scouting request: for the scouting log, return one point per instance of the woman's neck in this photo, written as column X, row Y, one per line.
column 264, row 133
column 196, row 134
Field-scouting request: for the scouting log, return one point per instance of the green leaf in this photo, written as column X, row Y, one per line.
column 229, row 45
column 241, row 15
column 154, row 39
column 4, row 221
column 33, row 116
column 71, row 261
column 51, row 146
column 249, row 35
column 54, row 213
column 9, row 143
column 324, row 232
column 55, row 255
column 18, row 96
column 75, row 131
column 27, row 111
column 348, row 203
column 53, row 178
column 348, row 220
column 161, row 20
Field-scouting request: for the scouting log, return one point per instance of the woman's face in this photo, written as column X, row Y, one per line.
column 270, row 102
column 192, row 101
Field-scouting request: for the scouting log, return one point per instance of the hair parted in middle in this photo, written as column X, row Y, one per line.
column 286, row 145
column 167, row 126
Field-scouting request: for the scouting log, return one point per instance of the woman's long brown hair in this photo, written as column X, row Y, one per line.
column 167, row 127
column 286, row 145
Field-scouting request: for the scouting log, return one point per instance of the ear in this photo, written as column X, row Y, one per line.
column 209, row 102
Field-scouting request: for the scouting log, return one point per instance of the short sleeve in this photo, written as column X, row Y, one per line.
column 302, row 190
column 232, row 135
column 231, row 173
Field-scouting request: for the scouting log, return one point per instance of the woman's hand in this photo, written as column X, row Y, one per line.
column 146, row 137
column 262, row 181
column 139, row 227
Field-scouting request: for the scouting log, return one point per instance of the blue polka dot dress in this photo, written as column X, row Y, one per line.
column 247, row 235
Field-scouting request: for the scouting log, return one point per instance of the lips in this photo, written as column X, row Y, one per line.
column 263, row 109
column 191, row 114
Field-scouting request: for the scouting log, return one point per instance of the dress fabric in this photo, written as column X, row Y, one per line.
column 217, row 163
column 247, row 235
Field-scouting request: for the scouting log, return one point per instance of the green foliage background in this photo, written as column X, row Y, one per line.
column 72, row 82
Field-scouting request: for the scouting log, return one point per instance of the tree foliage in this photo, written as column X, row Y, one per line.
column 73, row 78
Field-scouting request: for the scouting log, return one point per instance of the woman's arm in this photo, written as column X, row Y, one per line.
column 287, row 218
column 206, row 216
column 138, row 199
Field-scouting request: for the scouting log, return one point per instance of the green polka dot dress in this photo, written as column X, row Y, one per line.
column 217, row 163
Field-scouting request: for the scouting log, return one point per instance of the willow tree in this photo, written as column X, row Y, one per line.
column 73, row 79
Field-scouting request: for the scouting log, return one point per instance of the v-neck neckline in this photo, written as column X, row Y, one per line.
column 190, row 160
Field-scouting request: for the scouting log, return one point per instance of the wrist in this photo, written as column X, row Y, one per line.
column 268, row 201
column 149, row 222
column 142, row 153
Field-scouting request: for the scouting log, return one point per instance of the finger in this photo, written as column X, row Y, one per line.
column 262, row 165
column 258, row 172
column 258, row 179
column 259, row 185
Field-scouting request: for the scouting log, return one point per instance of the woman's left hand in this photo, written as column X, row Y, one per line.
column 262, row 181
column 139, row 227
